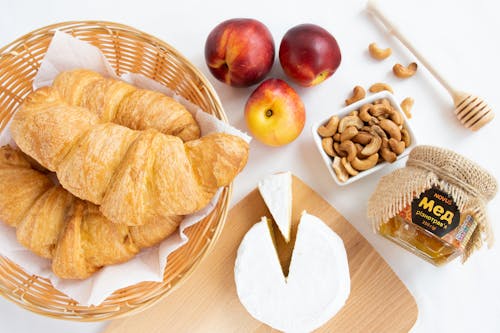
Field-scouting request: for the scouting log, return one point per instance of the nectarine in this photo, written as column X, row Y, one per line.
column 240, row 52
column 274, row 113
column 309, row 54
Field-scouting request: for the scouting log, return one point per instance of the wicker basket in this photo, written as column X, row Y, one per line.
column 128, row 50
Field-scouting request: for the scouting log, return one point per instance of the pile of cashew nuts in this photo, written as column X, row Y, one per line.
column 357, row 142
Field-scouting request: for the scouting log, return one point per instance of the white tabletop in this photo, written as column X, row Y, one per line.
column 460, row 37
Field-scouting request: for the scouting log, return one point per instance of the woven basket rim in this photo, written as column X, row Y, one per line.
column 125, row 27
column 220, row 212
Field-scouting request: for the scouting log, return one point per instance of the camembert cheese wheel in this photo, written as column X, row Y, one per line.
column 316, row 288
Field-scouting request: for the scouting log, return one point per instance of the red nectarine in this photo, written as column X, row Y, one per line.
column 240, row 52
column 309, row 54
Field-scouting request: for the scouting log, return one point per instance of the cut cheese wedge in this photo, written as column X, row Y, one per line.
column 276, row 190
column 317, row 286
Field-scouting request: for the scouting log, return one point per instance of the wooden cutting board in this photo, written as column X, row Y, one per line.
column 207, row 301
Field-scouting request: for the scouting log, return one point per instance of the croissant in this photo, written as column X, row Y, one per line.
column 135, row 176
column 54, row 224
column 119, row 102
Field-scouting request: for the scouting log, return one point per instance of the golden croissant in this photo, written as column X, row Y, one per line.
column 135, row 176
column 54, row 224
column 119, row 102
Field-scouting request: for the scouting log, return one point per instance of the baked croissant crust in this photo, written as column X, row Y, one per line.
column 54, row 224
column 121, row 103
column 135, row 176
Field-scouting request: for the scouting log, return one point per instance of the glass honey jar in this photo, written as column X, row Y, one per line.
column 435, row 207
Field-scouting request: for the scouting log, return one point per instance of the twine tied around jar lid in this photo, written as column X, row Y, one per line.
column 470, row 186
column 454, row 169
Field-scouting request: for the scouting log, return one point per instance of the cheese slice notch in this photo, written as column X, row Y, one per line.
column 276, row 190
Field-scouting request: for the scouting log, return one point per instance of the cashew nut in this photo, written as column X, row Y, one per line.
column 363, row 112
column 406, row 106
column 377, row 130
column 405, row 137
column 330, row 128
column 350, row 121
column 380, row 110
column 373, row 146
column 350, row 148
column 339, row 169
column 366, row 128
column 396, row 146
column 327, row 144
column 336, row 147
column 405, row 72
column 383, row 101
column 336, row 137
column 348, row 134
column 358, row 93
column 362, row 137
column 386, row 153
column 354, row 113
column 391, row 128
column 381, row 86
column 348, row 167
column 383, row 111
column 386, row 102
column 359, row 148
column 365, row 164
column 396, row 117
column 379, row 53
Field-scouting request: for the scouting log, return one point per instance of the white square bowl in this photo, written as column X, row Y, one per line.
column 344, row 112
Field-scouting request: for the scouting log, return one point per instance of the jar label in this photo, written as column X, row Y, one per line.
column 435, row 211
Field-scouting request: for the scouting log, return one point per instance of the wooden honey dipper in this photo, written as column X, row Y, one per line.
column 471, row 110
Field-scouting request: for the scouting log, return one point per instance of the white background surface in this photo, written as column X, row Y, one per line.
column 460, row 37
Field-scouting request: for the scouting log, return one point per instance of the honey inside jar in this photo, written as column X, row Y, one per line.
column 419, row 241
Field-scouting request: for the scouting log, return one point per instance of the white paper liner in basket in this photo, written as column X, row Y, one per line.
column 66, row 53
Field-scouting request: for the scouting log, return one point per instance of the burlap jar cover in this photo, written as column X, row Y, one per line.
column 470, row 186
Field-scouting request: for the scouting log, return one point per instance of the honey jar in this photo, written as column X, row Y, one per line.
column 435, row 207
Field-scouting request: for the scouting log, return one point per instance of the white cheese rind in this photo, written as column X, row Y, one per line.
column 317, row 286
column 276, row 190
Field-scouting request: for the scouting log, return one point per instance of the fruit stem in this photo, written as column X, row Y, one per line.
column 269, row 113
